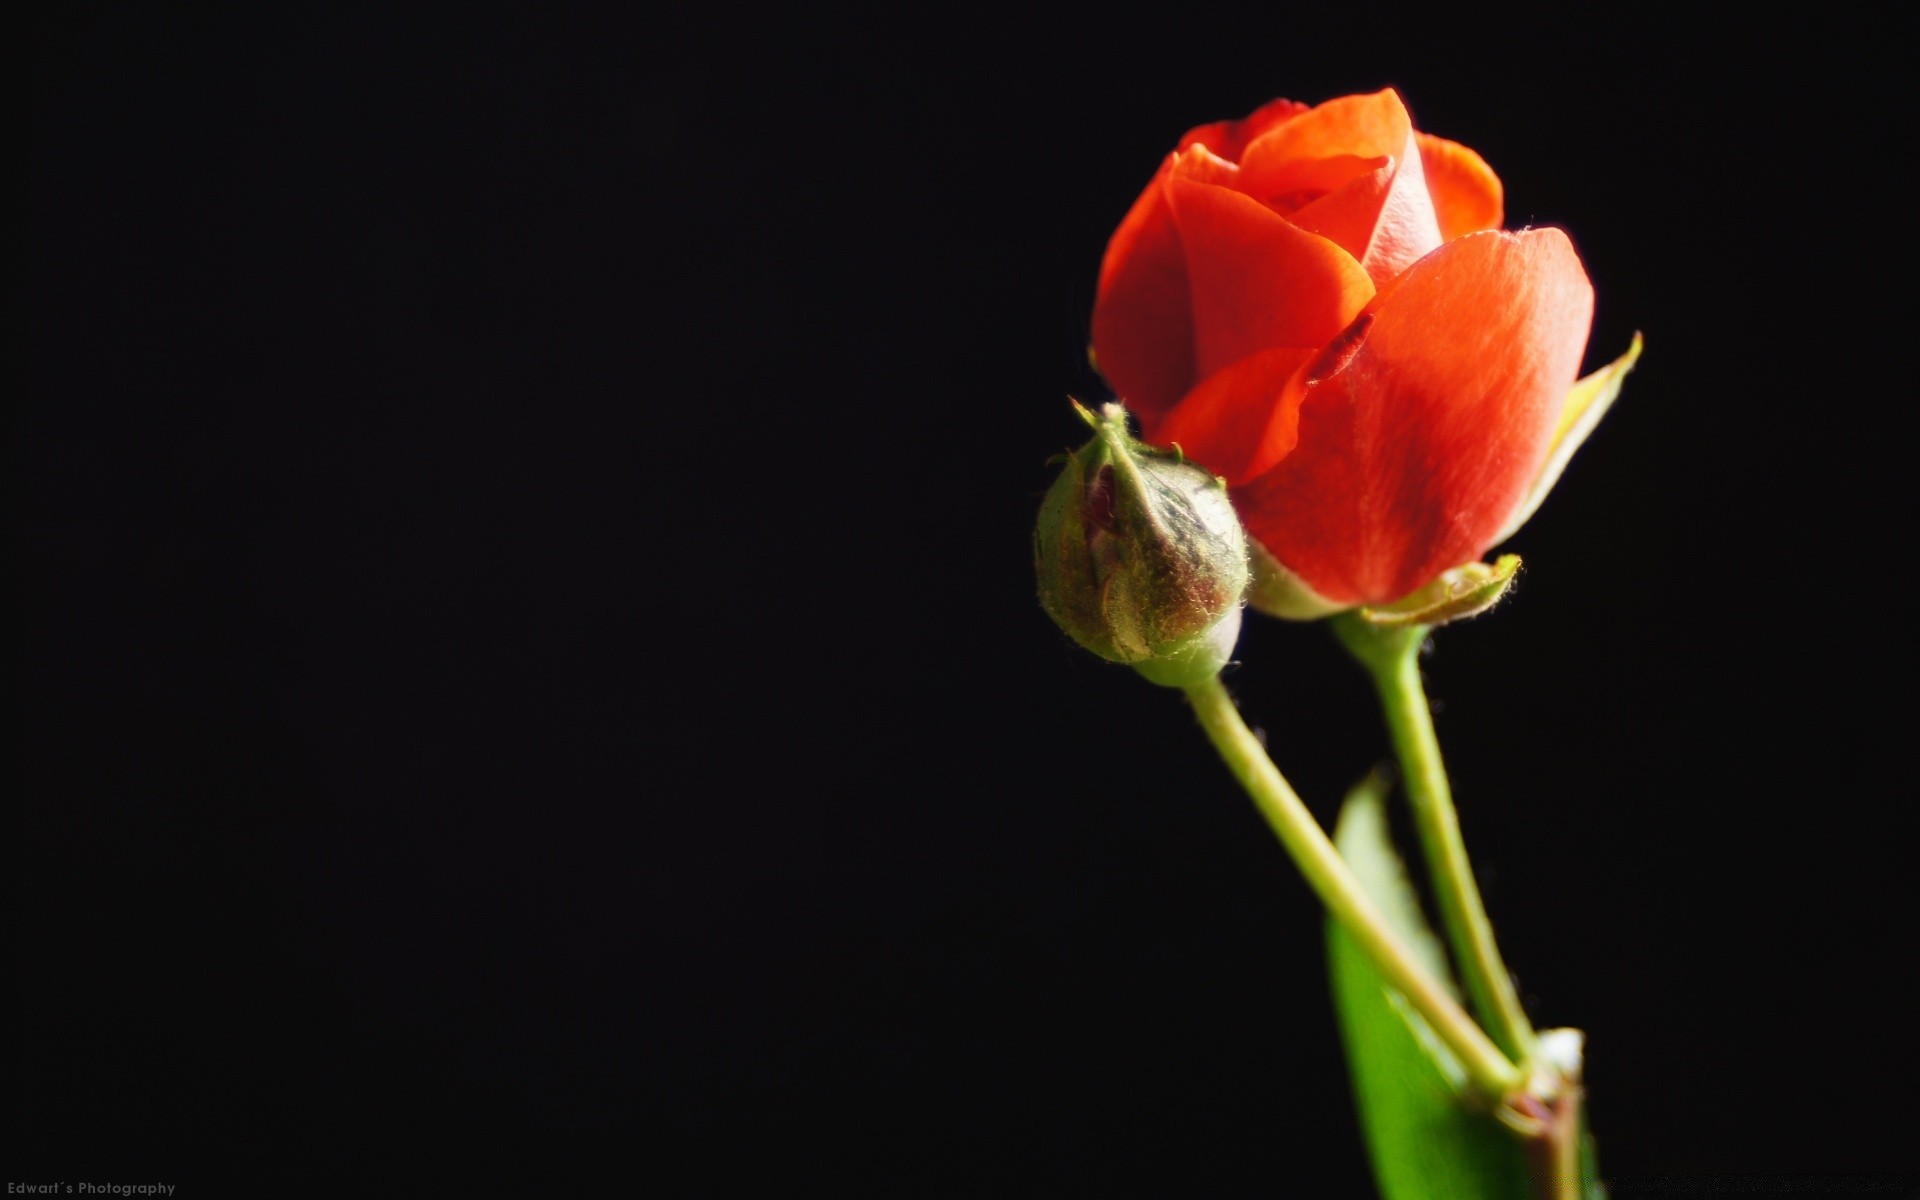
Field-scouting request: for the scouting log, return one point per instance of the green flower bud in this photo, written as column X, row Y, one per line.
column 1140, row 556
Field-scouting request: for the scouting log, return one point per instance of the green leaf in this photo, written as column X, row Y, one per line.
column 1425, row 1138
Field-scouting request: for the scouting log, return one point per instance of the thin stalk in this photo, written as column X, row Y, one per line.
column 1552, row 1144
column 1391, row 656
column 1493, row 1075
column 1567, row 1182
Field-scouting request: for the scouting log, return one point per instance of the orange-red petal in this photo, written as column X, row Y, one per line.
column 1143, row 326
column 1295, row 155
column 1242, row 419
column 1384, row 218
column 1229, row 139
column 1420, row 437
column 1347, row 214
column 1255, row 281
column 1467, row 195
column 1142, row 319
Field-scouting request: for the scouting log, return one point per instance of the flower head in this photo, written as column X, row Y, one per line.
column 1139, row 556
column 1319, row 305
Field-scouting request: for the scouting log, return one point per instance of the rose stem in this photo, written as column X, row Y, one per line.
column 1391, row 656
column 1492, row 1074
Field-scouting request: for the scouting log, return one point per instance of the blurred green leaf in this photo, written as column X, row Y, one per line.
column 1425, row 1141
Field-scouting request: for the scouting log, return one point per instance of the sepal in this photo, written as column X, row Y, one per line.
column 1465, row 591
column 1586, row 403
column 1278, row 592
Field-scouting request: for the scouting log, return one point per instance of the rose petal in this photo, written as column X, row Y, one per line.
column 1242, row 419
column 1347, row 215
column 1419, row 440
column 1384, row 218
column 1201, row 165
column 1229, row 139
column 1142, row 315
column 1256, row 282
column 1142, row 318
column 1466, row 193
column 1325, row 147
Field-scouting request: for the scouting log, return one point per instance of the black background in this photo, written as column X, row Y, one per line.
column 528, row 649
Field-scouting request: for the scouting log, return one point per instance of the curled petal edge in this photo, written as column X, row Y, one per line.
column 1585, row 405
column 1465, row 591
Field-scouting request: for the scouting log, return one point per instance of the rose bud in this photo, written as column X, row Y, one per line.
column 1140, row 557
column 1319, row 305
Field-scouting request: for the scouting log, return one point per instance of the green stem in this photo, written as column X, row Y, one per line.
column 1391, row 656
column 1552, row 1145
column 1567, row 1182
column 1492, row 1073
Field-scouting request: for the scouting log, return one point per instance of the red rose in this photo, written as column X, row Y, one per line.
column 1318, row 304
